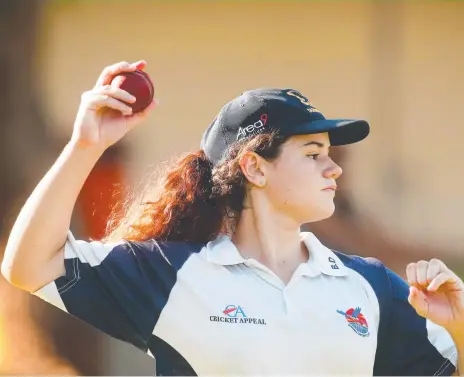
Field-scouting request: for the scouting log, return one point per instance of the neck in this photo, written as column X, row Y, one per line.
column 270, row 238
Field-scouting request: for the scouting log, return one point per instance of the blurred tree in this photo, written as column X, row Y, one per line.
column 27, row 149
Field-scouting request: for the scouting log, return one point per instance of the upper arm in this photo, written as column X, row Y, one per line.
column 32, row 276
column 409, row 344
column 49, row 272
column 118, row 288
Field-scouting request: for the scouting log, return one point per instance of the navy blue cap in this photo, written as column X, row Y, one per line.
column 286, row 111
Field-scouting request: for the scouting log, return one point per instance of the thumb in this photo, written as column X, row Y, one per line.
column 418, row 301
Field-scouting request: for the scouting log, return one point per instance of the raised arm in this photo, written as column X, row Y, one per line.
column 34, row 254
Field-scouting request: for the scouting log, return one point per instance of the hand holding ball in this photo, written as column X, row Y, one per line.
column 139, row 84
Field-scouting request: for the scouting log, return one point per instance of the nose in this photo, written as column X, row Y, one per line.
column 333, row 171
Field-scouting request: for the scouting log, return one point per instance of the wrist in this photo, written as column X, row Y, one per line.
column 457, row 333
column 75, row 146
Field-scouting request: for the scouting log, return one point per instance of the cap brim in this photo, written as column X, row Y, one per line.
column 341, row 131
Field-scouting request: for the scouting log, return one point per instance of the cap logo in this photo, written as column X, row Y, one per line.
column 253, row 129
column 309, row 106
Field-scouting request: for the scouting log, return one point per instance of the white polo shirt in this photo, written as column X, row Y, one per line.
column 205, row 310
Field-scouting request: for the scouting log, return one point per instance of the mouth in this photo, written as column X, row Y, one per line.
column 330, row 188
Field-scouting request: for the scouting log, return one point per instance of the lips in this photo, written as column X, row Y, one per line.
column 330, row 188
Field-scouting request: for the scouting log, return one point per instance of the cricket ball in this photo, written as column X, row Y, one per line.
column 139, row 84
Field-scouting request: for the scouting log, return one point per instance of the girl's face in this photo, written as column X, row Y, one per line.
column 301, row 182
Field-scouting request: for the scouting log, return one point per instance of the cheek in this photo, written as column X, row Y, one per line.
column 295, row 186
column 296, row 189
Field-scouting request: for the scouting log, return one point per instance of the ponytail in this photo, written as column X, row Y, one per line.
column 183, row 211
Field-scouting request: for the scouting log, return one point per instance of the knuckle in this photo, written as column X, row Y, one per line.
column 439, row 264
column 86, row 96
column 435, row 261
column 98, row 98
column 106, row 88
column 119, row 66
column 107, row 70
column 422, row 263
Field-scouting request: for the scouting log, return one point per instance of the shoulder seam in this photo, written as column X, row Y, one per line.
column 161, row 251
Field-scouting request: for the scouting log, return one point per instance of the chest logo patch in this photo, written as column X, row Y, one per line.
column 356, row 321
column 236, row 314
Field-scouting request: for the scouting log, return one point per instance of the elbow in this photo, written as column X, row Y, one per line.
column 19, row 280
column 10, row 265
column 7, row 265
column 31, row 274
column 14, row 275
column 6, row 271
column 10, row 274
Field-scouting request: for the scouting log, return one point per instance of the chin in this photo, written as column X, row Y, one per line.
column 320, row 214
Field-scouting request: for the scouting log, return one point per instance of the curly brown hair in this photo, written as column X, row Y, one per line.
column 194, row 201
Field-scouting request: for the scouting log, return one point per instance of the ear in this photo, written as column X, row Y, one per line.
column 252, row 168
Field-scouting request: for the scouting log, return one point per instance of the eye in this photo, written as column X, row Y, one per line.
column 314, row 156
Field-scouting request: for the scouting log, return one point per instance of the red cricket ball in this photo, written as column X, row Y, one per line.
column 139, row 84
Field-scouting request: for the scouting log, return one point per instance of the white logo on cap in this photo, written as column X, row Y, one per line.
column 253, row 129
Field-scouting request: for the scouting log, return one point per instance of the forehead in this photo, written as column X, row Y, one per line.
column 301, row 140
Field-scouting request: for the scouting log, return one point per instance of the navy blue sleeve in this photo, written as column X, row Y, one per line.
column 410, row 345
column 407, row 344
column 120, row 290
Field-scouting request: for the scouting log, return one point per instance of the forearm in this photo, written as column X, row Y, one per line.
column 41, row 228
column 458, row 338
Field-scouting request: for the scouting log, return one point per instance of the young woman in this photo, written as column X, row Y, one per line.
column 213, row 276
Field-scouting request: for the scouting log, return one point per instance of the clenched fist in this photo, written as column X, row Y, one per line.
column 436, row 293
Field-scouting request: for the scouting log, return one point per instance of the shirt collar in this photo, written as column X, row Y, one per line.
column 223, row 251
column 321, row 259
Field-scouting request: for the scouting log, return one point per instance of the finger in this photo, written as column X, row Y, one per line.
column 100, row 101
column 141, row 64
column 441, row 279
column 411, row 274
column 421, row 273
column 109, row 72
column 117, row 93
column 141, row 116
column 418, row 301
column 435, row 267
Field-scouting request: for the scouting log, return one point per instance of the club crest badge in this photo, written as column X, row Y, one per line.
column 356, row 321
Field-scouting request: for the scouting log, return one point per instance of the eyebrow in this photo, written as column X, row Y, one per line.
column 320, row 145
